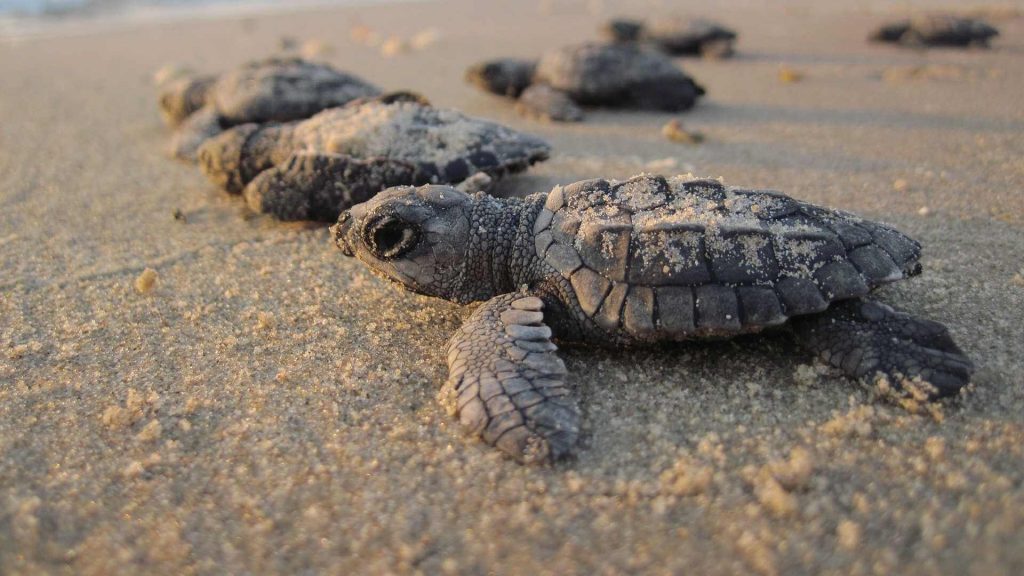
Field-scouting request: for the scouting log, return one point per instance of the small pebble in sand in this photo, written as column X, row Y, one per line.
column 146, row 281
column 923, row 211
column 150, row 431
column 935, row 448
column 134, row 469
column 757, row 554
column 394, row 46
column 848, row 534
column 774, row 497
column 674, row 131
column 795, row 472
column 857, row 422
column 265, row 321
column 900, row 185
column 1018, row 279
column 808, row 374
column 789, row 75
column 178, row 215
column 685, row 479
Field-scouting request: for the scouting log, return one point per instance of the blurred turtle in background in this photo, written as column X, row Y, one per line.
column 271, row 90
column 937, row 30
column 315, row 168
column 613, row 75
column 675, row 36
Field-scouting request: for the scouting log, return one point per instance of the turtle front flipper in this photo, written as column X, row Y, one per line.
column 506, row 383
column 311, row 186
column 193, row 132
column 865, row 338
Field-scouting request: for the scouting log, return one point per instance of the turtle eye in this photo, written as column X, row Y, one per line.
column 389, row 237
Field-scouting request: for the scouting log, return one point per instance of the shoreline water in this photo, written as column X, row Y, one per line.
column 16, row 28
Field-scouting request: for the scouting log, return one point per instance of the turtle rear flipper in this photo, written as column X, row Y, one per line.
column 311, row 186
column 666, row 95
column 506, row 383
column 543, row 101
column 864, row 338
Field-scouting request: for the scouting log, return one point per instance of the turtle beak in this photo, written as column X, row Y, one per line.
column 340, row 231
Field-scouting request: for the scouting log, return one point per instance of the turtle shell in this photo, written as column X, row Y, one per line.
column 651, row 258
column 284, row 89
column 937, row 30
column 617, row 75
column 443, row 144
column 950, row 30
column 682, row 36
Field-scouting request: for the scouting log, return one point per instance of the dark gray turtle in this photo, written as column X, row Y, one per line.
column 313, row 169
column 676, row 36
column 272, row 90
column 638, row 262
column 615, row 75
column 937, row 30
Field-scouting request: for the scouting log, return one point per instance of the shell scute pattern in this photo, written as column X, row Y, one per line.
column 651, row 256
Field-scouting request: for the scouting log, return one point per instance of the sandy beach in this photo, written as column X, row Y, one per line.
column 268, row 406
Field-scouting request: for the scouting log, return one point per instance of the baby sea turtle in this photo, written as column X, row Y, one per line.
column 315, row 168
column 272, row 90
column 676, row 36
column 616, row 75
column 638, row 262
column 937, row 30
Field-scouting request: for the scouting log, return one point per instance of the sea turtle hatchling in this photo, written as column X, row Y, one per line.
column 675, row 36
column 937, row 30
column 636, row 262
column 315, row 168
column 615, row 75
column 271, row 90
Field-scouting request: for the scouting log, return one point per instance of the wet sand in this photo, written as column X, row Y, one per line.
column 267, row 406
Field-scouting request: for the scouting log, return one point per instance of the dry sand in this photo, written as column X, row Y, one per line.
column 258, row 403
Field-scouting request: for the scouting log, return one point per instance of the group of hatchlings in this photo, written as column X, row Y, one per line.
column 613, row 263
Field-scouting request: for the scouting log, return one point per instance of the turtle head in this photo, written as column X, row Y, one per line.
column 416, row 237
column 504, row 77
column 180, row 97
